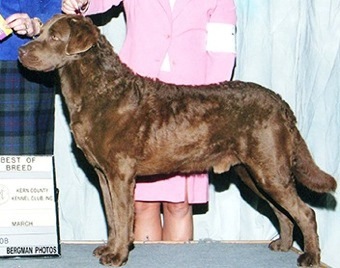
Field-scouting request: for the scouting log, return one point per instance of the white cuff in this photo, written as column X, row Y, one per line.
column 221, row 37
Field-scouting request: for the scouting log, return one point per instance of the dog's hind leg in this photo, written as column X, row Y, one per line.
column 281, row 189
column 285, row 241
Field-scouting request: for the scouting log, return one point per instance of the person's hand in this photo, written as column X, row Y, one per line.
column 22, row 24
column 74, row 6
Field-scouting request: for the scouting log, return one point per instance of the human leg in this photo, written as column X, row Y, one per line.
column 177, row 212
column 178, row 221
column 147, row 221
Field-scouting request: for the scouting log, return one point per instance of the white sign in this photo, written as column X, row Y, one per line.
column 28, row 211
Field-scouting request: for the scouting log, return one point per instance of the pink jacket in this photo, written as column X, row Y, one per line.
column 187, row 35
column 158, row 30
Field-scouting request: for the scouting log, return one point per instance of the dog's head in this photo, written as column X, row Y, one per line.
column 63, row 38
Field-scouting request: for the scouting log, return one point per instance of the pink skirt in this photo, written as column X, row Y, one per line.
column 173, row 189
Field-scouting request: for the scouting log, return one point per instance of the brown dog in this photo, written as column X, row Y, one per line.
column 128, row 125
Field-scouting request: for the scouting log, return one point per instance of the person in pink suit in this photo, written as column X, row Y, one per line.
column 188, row 42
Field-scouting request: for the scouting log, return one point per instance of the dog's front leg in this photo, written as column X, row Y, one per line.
column 118, row 192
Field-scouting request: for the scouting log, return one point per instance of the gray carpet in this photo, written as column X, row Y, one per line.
column 155, row 255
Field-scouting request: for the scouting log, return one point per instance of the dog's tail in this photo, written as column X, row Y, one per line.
column 307, row 172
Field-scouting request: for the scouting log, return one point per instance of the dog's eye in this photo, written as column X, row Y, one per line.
column 54, row 37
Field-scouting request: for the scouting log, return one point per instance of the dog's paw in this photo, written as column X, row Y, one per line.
column 99, row 251
column 113, row 259
column 309, row 260
column 108, row 258
column 280, row 245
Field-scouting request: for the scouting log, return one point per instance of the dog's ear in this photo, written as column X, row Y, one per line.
column 83, row 35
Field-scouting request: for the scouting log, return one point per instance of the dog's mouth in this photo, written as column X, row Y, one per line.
column 32, row 62
column 46, row 69
column 34, row 67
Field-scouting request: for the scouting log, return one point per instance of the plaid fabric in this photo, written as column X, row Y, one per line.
column 26, row 110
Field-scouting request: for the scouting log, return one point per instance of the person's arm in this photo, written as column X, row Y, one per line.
column 88, row 7
column 221, row 42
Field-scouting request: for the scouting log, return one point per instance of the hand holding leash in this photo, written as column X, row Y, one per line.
column 75, row 6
